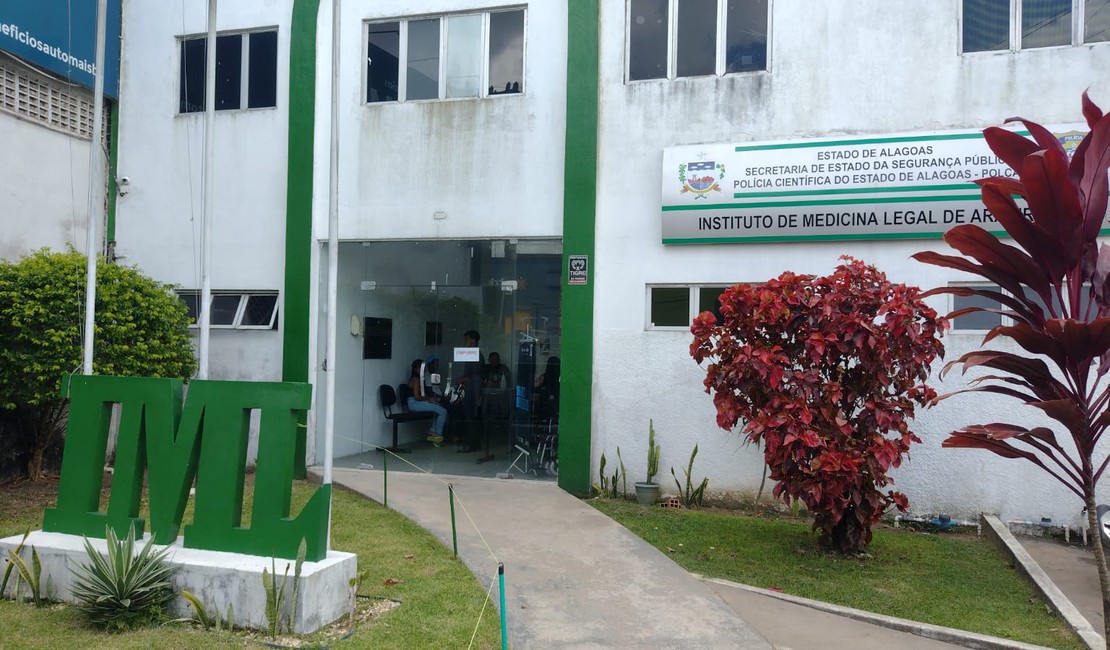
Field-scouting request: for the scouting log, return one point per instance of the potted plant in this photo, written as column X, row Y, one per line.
column 648, row 492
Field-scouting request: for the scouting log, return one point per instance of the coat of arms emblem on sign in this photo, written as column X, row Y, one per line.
column 700, row 178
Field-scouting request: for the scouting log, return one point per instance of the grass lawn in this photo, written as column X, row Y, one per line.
column 955, row 581
column 440, row 599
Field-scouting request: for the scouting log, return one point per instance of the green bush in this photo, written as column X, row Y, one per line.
column 141, row 329
column 122, row 590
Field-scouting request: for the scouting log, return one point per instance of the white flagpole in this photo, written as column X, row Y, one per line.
column 333, row 253
column 209, row 192
column 96, row 187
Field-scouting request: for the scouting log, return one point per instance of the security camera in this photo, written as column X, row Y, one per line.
column 123, row 184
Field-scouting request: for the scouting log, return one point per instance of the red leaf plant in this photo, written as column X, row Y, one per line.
column 826, row 372
column 1056, row 296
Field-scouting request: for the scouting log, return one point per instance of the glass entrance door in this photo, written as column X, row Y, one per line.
column 483, row 317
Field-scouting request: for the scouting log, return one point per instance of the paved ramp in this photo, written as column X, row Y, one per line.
column 573, row 577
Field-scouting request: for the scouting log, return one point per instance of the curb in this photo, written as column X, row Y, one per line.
column 935, row 632
column 1048, row 590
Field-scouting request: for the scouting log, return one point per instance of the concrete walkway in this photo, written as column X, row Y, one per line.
column 573, row 577
column 576, row 579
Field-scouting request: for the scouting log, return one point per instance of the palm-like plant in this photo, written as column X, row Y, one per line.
column 1057, row 294
column 123, row 590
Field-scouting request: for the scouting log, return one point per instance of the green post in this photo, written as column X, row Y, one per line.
column 504, row 620
column 454, row 531
column 113, row 188
column 579, row 216
column 296, row 310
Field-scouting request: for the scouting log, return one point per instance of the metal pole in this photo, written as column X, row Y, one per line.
column 333, row 255
column 96, row 187
column 385, row 479
column 209, row 192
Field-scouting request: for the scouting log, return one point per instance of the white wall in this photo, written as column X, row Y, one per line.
column 493, row 165
column 44, row 188
column 158, row 225
column 868, row 66
column 159, row 220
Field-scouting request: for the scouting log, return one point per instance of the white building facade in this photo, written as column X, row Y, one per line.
column 47, row 58
column 501, row 169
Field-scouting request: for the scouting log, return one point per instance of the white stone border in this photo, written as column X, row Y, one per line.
column 215, row 577
column 1048, row 590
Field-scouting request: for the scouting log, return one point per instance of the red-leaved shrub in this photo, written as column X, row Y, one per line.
column 826, row 372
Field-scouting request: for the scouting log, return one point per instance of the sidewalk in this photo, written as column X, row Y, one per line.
column 576, row 579
column 573, row 577
column 1072, row 569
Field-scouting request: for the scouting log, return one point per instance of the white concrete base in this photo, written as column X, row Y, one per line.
column 216, row 578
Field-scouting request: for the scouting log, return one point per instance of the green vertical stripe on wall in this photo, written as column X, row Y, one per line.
column 579, row 206
column 298, row 203
column 113, row 158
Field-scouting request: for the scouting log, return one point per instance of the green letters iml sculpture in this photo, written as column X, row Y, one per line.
column 203, row 438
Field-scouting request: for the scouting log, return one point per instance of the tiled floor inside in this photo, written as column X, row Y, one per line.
column 498, row 457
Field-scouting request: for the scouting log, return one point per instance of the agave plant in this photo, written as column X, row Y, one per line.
column 1057, row 296
column 123, row 590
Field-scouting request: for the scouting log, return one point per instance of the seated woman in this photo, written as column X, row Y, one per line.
column 425, row 402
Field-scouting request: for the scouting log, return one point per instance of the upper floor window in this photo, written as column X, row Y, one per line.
column 688, row 38
column 445, row 57
column 990, row 25
column 246, row 71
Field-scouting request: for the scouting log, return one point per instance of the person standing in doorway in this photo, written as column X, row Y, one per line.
column 472, row 394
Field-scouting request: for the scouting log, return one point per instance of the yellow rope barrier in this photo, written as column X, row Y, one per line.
column 459, row 499
column 478, row 623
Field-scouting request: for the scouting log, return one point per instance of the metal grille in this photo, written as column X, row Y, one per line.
column 53, row 104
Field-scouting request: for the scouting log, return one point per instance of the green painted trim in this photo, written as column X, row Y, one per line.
column 298, row 204
column 889, row 140
column 786, row 204
column 579, row 216
column 961, row 187
column 113, row 161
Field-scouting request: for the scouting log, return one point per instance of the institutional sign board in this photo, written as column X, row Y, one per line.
column 60, row 36
column 896, row 186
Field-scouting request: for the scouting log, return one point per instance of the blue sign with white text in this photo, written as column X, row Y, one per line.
column 60, row 36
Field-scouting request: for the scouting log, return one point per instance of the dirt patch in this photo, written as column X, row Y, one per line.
column 22, row 501
column 22, row 496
